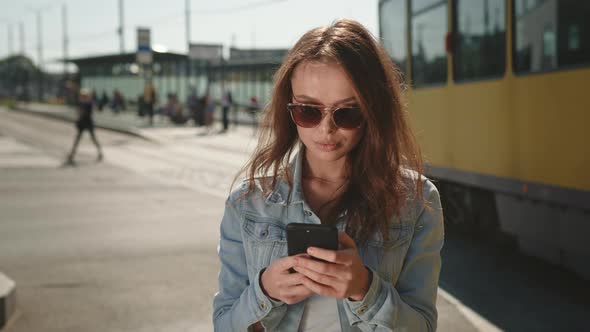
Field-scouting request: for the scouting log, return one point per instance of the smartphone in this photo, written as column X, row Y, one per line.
column 302, row 236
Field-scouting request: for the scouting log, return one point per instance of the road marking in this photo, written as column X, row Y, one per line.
column 474, row 318
column 14, row 154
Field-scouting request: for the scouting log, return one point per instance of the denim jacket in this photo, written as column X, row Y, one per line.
column 405, row 269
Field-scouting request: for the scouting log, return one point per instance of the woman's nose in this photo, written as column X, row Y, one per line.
column 327, row 125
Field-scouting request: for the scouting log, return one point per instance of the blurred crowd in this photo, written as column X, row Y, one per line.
column 197, row 108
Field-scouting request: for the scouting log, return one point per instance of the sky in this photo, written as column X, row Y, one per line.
column 92, row 25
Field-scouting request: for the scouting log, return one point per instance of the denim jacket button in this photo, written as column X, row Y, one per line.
column 308, row 213
column 262, row 306
column 362, row 310
column 264, row 233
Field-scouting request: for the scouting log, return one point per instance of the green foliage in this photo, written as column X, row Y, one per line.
column 16, row 72
column 8, row 103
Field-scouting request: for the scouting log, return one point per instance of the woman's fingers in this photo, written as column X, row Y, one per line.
column 336, row 270
column 323, row 279
column 346, row 242
column 332, row 256
column 320, row 289
column 284, row 264
column 296, row 294
column 278, row 283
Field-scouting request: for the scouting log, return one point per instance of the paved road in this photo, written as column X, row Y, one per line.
column 129, row 244
column 99, row 247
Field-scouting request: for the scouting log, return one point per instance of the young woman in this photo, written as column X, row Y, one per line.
column 335, row 148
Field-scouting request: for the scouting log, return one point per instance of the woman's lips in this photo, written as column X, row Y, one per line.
column 327, row 146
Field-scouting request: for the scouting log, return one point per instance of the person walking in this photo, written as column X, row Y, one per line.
column 118, row 103
column 103, row 101
column 226, row 104
column 335, row 148
column 149, row 101
column 192, row 104
column 209, row 112
column 84, row 122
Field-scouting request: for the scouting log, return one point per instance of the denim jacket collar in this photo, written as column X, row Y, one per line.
column 282, row 193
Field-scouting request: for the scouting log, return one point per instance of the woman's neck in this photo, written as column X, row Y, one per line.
column 325, row 171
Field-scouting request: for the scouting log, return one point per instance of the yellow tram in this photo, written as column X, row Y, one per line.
column 499, row 93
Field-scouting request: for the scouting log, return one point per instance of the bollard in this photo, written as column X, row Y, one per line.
column 7, row 299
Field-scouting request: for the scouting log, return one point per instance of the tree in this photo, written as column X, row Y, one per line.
column 16, row 76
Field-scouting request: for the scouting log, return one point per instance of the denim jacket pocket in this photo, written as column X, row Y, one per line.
column 398, row 235
column 387, row 257
column 264, row 241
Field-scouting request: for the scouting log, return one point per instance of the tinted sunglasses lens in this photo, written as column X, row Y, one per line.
column 348, row 117
column 306, row 116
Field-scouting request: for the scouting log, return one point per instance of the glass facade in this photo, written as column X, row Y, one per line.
column 480, row 39
column 429, row 29
column 551, row 34
column 392, row 27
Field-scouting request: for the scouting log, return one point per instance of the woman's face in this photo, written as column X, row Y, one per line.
column 327, row 85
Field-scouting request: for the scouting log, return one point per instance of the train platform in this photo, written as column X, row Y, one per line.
column 128, row 122
column 51, row 186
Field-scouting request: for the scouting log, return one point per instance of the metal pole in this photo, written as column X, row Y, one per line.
column 121, row 27
column 21, row 28
column 64, row 16
column 40, row 55
column 188, row 43
column 10, row 43
column 39, row 42
column 188, row 22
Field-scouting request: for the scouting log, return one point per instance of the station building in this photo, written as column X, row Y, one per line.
column 246, row 72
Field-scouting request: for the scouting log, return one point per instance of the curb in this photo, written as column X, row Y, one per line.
column 57, row 116
column 7, row 299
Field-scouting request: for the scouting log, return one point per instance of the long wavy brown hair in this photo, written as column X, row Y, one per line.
column 377, row 190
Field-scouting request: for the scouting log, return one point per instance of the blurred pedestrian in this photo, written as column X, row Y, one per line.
column 118, row 103
column 149, row 101
column 226, row 104
column 103, row 101
column 94, row 97
column 84, row 122
column 192, row 103
column 140, row 106
column 201, row 109
column 209, row 111
column 253, row 109
column 173, row 109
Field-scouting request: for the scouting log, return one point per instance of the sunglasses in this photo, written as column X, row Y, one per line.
column 310, row 116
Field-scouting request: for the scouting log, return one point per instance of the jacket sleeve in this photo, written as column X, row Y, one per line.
column 238, row 304
column 411, row 304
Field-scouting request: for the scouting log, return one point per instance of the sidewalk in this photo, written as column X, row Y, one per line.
column 126, row 222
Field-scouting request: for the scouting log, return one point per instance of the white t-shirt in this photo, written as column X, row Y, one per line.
column 320, row 315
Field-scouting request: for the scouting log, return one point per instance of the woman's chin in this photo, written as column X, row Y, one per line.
column 331, row 155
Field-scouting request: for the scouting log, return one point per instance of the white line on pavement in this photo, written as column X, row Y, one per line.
column 482, row 324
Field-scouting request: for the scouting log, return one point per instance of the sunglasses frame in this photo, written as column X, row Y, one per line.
column 325, row 109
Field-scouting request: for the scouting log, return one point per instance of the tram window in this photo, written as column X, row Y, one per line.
column 480, row 49
column 392, row 26
column 429, row 27
column 551, row 34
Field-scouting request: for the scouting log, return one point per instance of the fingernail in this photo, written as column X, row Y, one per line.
column 310, row 250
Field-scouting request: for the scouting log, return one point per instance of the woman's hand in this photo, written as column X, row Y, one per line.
column 279, row 284
column 344, row 276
